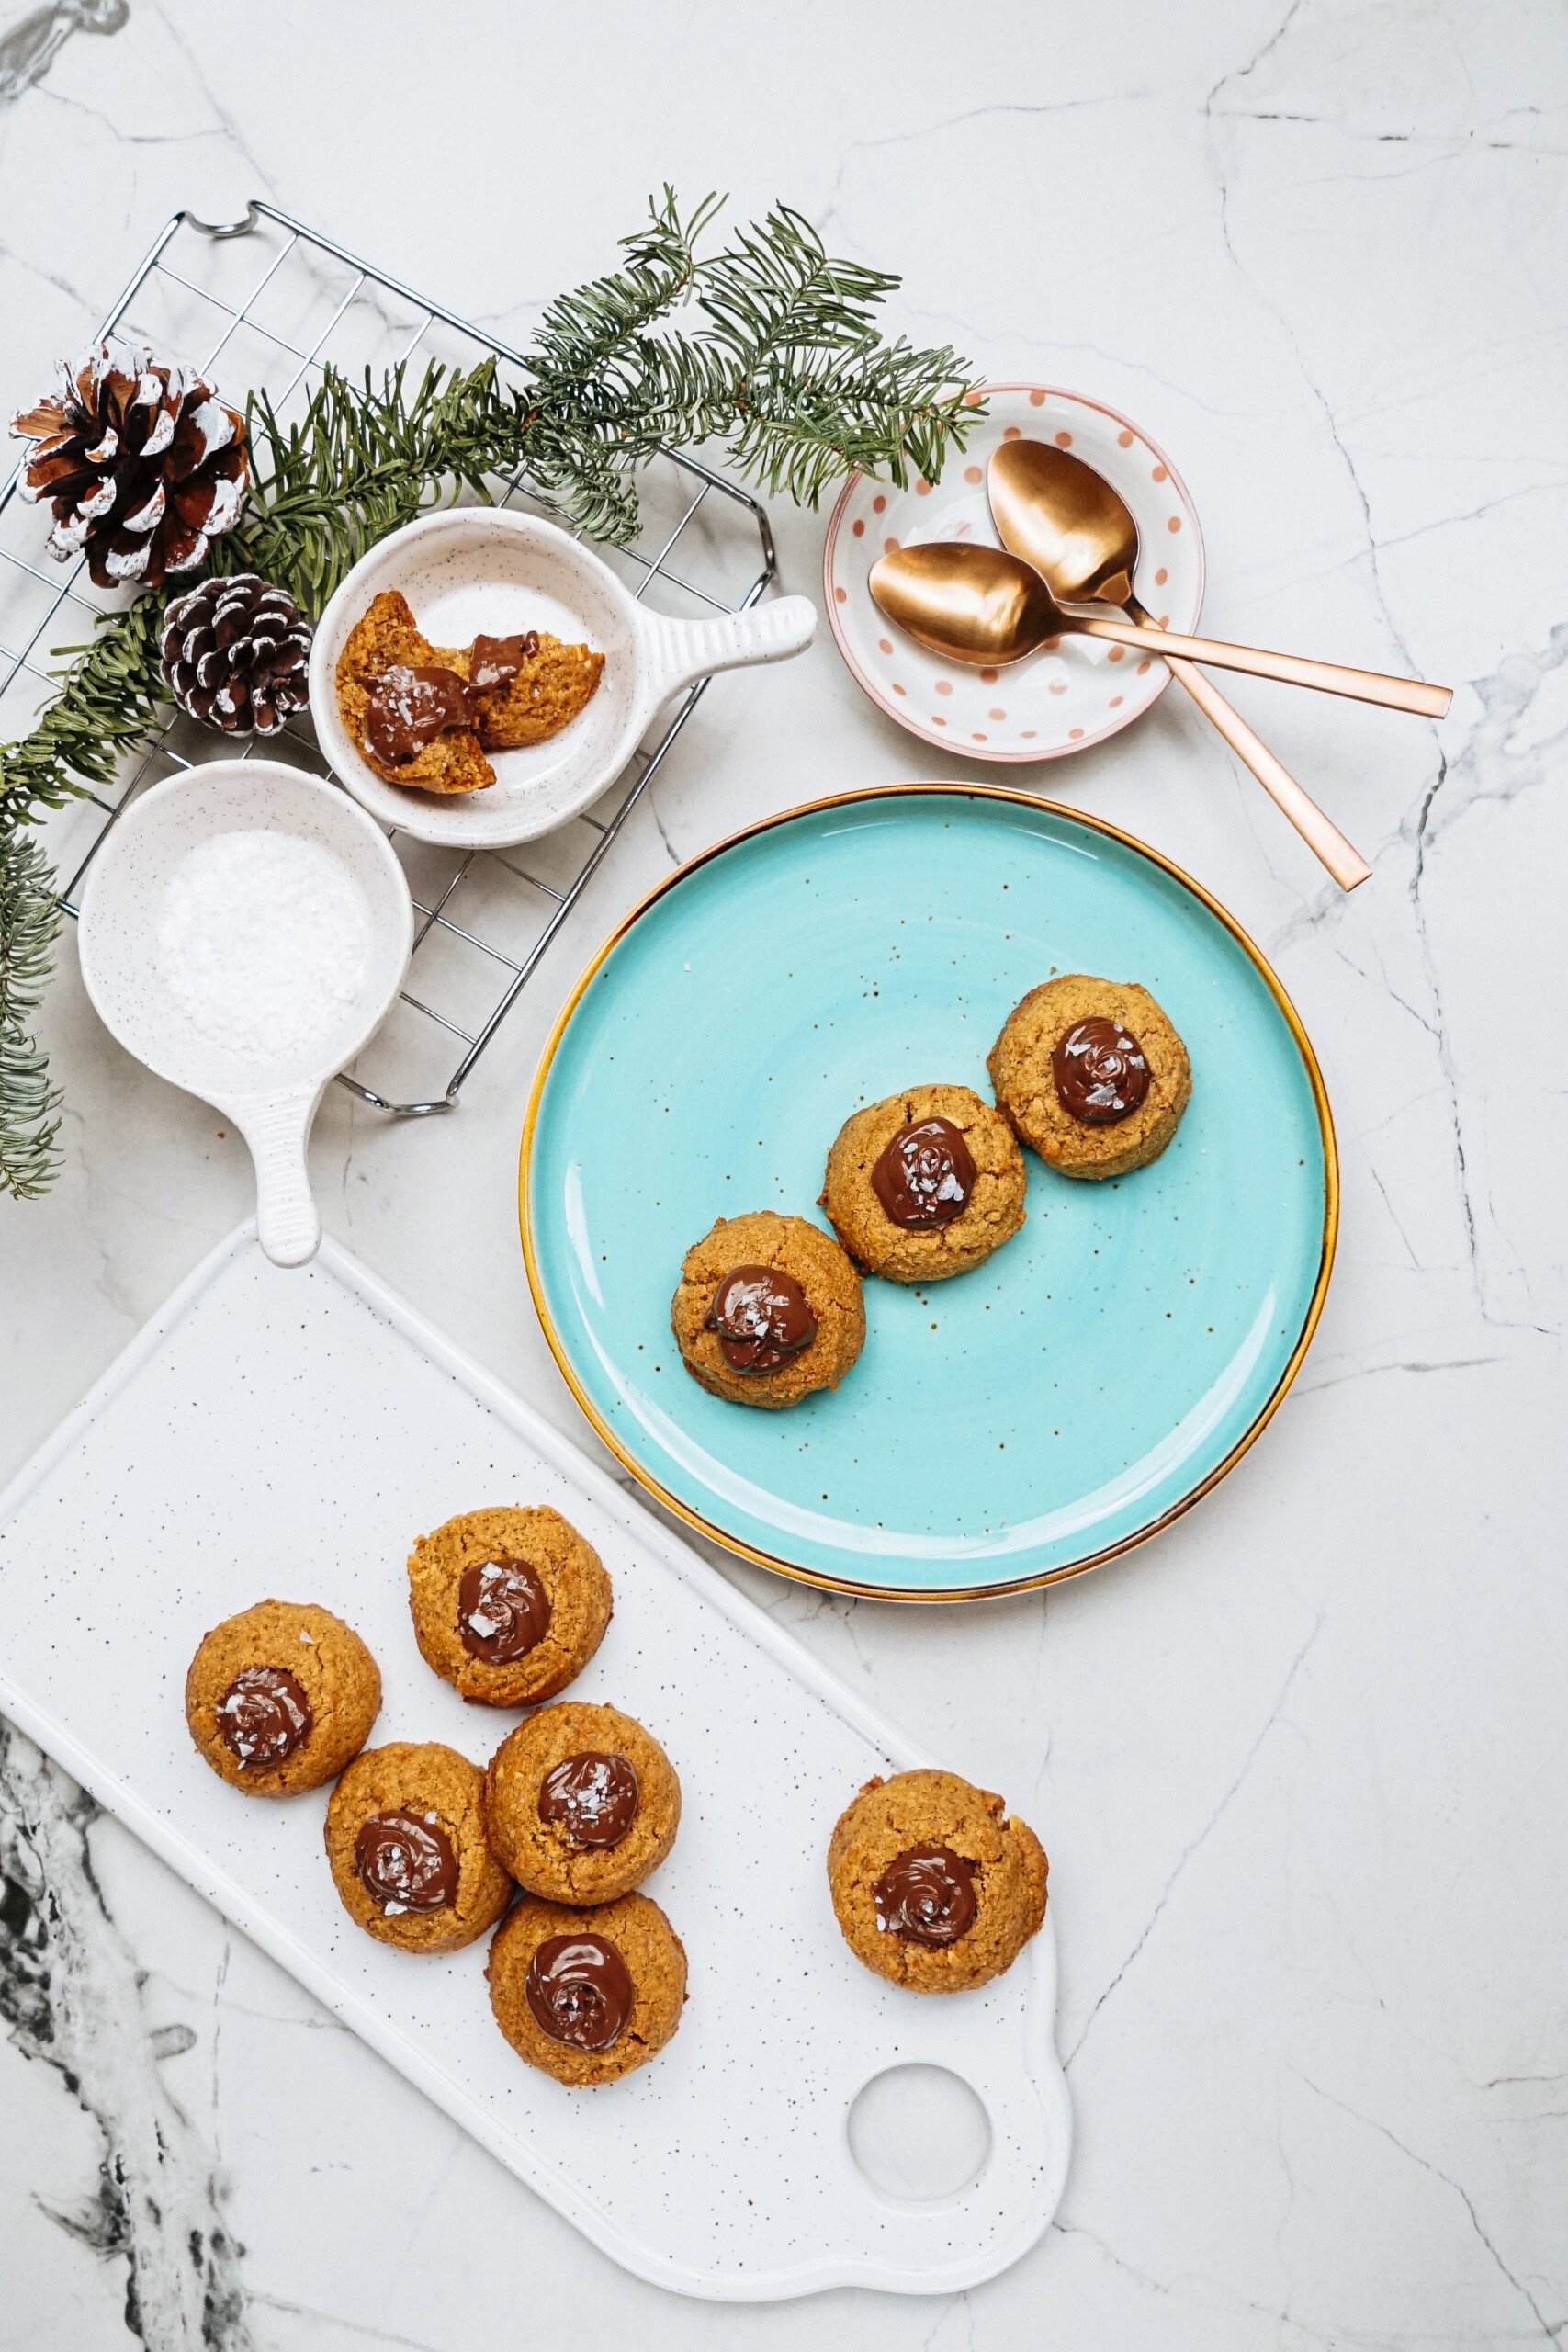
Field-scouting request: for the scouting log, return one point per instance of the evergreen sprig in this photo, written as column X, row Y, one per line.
column 30, row 918
column 767, row 345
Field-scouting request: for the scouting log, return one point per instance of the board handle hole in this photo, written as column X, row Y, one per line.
column 919, row 2134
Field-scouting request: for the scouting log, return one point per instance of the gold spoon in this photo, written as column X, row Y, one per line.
column 982, row 606
column 1079, row 534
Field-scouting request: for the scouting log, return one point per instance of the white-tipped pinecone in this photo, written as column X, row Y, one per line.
column 236, row 653
column 143, row 464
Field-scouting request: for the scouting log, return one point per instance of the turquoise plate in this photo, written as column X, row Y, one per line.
column 1022, row 1422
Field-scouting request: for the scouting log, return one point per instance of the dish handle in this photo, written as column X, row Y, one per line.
column 277, row 1127
column 683, row 651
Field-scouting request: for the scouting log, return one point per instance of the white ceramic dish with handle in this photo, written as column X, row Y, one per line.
column 270, row 1091
column 473, row 569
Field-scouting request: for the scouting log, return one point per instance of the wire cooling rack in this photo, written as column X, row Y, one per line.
column 266, row 303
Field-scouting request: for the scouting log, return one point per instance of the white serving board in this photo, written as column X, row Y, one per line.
column 289, row 1434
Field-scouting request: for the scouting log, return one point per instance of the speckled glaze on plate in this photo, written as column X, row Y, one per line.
column 1077, row 690
column 1026, row 1421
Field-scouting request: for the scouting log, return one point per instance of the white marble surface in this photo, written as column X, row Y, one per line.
column 1299, row 1765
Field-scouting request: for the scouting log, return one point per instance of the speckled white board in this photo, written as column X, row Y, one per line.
column 288, row 1434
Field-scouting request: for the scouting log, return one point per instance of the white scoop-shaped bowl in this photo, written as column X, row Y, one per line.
column 473, row 569
column 269, row 1094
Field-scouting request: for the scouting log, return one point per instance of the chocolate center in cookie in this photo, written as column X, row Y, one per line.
column 504, row 1610
column 925, row 1176
column 495, row 661
column 579, row 1990
column 1099, row 1070
column 927, row 1895
column 405, row 1862
column 408, row 708
column 263, row 1717
column 763, row 1317
column 593, row 1797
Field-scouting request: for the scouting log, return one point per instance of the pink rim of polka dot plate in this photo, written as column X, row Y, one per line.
column 1077, row 690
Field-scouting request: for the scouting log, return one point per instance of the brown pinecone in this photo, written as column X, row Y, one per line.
column 236, row 653
column 143, row 464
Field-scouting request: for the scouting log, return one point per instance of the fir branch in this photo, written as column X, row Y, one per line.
column 30, row 918
column 586, row 335
column 787, row 368
column 364, row 460
column 767, row 346
column 108, row 701
column 105, row 710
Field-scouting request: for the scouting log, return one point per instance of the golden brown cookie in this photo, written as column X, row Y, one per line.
column 582, row 1802
column 757, row 1341
column 410, row 1854
column 1091, row 1075
column 280, row 1697
column 924, row 1184
column 554, row 683
column 388, row 636
column 508, row 1604
column 932, row 1887
column 587, row 1995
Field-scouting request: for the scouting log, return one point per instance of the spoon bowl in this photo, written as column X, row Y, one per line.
column 968, row 602
column 1066, row 520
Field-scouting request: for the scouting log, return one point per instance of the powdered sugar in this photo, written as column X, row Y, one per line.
column 263, row 941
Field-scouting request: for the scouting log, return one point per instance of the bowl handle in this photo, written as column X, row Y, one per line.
column 277, row 1127
column 686, row 651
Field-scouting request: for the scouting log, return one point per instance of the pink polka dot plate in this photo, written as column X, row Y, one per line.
column 1077, row 690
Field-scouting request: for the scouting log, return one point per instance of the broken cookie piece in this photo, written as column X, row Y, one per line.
column 526, row 689
column 405, row 706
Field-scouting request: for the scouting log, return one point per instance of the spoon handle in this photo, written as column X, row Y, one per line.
column 1291, row 668
column 1321, row 834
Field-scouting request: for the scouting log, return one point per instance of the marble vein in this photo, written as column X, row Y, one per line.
column 1268, row 301
column 71, row 1996
column 1550, row 2330
column 1485, row 768
column 1196, row 1843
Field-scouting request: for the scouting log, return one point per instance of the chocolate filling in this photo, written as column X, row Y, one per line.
column 579, row 1991
column 405, row 1862
column 504, row 1610
column 1100, row 1072
column 925, row 1175
column 763, row 1317
column 263, row 1717
column 593, row 1797
column 927, row 1895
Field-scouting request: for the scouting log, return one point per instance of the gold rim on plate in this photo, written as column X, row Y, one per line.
column 694, row 1519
